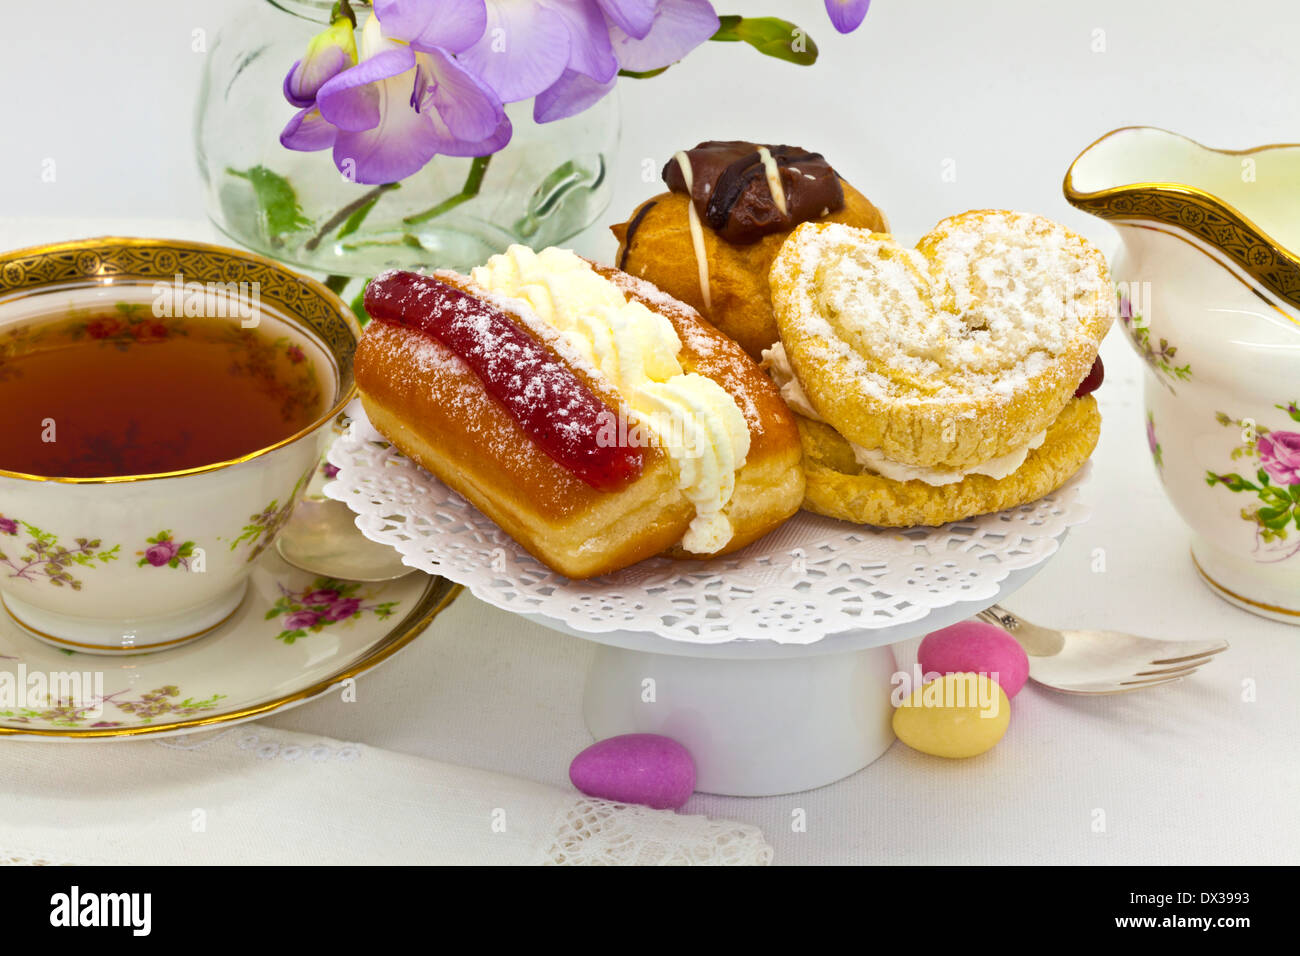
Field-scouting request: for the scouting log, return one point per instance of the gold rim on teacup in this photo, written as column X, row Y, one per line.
column 299, row 300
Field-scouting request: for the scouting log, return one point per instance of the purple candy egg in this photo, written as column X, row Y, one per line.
column 979, row 648
column 648, row 769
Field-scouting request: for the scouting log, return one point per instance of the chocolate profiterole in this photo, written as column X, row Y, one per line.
column 710, row 240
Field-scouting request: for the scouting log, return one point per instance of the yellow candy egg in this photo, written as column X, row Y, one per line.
column 956, row 715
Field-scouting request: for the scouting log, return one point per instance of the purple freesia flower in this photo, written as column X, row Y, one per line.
column 341, row 610
column 160, row 553
column 634, row 17
column 679, row 27
column 847, row 15
column 301, row 620
column 522, row 51
column 449, row 24
column 567, row 53
column 328, row 54
column 1279, row 455
column 407, row 100
column 431, row 76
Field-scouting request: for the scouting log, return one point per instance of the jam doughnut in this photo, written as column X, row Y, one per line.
column 594, row 418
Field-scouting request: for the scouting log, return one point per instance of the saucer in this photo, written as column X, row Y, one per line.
column 295, row 637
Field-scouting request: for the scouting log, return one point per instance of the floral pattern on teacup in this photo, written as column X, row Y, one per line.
column 1276, row 485
column 159, row 702
column 318, row 605
column 1157, row 454
column 297, row 387
column 266, row 524
column 165, row 552
column 131, row 323
column 41, row 556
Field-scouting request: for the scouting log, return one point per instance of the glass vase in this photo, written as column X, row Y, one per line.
column 548, row 184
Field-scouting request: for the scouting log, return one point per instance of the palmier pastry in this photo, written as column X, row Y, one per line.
column 594, row 418
column 711, row 238
column 945, row 381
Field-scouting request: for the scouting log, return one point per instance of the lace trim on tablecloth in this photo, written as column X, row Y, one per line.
column 597, row 833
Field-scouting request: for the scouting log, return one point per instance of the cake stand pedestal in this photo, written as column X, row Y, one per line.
column 760, row 718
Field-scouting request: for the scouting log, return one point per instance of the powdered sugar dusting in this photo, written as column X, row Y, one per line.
column 556, row 409
column 985, row 304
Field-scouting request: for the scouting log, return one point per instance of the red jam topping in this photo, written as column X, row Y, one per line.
column 554, row 407
column 1091, row 381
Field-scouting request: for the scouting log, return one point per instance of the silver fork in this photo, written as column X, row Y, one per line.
column 1101, row 662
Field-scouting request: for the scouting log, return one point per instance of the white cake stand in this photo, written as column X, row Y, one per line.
column 760, row 718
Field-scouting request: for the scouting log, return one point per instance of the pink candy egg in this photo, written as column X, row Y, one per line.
column 648, row 769
column 976, row 647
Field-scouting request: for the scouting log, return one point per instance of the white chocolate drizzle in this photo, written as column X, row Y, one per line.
column 773, row 178
column 697, row 231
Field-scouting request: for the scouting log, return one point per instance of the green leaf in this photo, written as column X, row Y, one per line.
column 1232, row 481
column 1278, row 497
column 276, row 201
column 1275, row 518
column 355, row 220
column 1262, row 475
column 770, row 36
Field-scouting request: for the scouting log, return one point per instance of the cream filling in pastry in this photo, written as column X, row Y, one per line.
column 873, row 459
column 693, row 418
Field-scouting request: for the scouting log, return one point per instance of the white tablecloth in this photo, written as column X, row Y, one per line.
column 1195, row 772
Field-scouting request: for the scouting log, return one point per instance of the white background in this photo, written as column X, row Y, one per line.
column 1009, row 91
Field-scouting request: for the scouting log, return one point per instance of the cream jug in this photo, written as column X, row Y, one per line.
column 1208, row 281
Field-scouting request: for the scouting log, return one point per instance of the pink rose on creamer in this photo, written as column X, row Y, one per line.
column 1279, row 454
column 160, row 553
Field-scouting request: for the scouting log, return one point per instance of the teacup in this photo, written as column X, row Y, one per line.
column 132, row 563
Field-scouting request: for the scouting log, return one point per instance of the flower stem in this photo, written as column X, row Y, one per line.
column 467, row 192
column 352, row 208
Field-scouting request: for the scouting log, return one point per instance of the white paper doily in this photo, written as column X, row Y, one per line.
column 811, row 577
